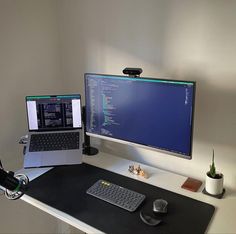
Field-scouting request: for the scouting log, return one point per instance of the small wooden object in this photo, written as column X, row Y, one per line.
column 138, row 171
column 192, row 184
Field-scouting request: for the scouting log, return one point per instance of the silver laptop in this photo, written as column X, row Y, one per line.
column 54, row 130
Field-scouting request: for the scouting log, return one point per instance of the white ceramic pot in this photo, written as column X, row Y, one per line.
column 214, row 186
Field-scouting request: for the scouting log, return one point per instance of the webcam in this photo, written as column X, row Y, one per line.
column 133, row 72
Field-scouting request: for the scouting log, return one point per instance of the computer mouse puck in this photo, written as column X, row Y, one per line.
column 149, row 220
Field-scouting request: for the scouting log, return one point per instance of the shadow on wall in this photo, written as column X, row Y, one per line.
column 215, row 117
column 158, row 50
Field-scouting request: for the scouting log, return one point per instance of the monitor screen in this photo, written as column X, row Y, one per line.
column 156, row 113
column 54, row 112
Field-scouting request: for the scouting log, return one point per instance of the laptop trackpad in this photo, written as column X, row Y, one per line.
column 54, row 158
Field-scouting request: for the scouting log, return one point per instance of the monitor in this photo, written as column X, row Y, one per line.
column 147, row 112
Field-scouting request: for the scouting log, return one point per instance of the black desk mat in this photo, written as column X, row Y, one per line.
column 64, row 188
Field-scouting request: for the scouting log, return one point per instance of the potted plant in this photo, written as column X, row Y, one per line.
column 214, row 180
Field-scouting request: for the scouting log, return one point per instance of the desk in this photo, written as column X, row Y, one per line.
column 223, row 220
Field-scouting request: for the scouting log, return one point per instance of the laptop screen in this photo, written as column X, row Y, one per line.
column 56, row 112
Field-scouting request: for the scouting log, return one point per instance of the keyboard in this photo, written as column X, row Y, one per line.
column 116, row 195
column 54, row 141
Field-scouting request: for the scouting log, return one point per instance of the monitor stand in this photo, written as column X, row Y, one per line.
column 87, row 148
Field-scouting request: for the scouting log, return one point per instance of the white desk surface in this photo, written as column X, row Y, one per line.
column 223, row 220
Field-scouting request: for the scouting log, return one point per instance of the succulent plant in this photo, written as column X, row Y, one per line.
column 212, row 171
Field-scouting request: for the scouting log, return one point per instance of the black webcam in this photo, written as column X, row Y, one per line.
column 133, row 72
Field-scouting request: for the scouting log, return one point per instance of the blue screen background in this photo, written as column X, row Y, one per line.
column 154, row 113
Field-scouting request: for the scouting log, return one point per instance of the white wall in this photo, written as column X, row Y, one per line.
column 29, row 64
column 47, row 45
column 180, row 39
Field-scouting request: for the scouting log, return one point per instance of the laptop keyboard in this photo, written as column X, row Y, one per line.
column 54, row 141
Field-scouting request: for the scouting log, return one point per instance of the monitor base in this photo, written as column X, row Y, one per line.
column 90, row 151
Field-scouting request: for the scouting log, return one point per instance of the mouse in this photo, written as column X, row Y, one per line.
column 147, row 219
column 160, row 206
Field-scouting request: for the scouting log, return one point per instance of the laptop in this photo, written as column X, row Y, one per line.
column 55, row 127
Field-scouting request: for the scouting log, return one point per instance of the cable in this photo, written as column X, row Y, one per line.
column 14, row 186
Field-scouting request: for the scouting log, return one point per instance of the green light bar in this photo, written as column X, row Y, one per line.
column 37, row 97
column 59, row 96
column 145, row 79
